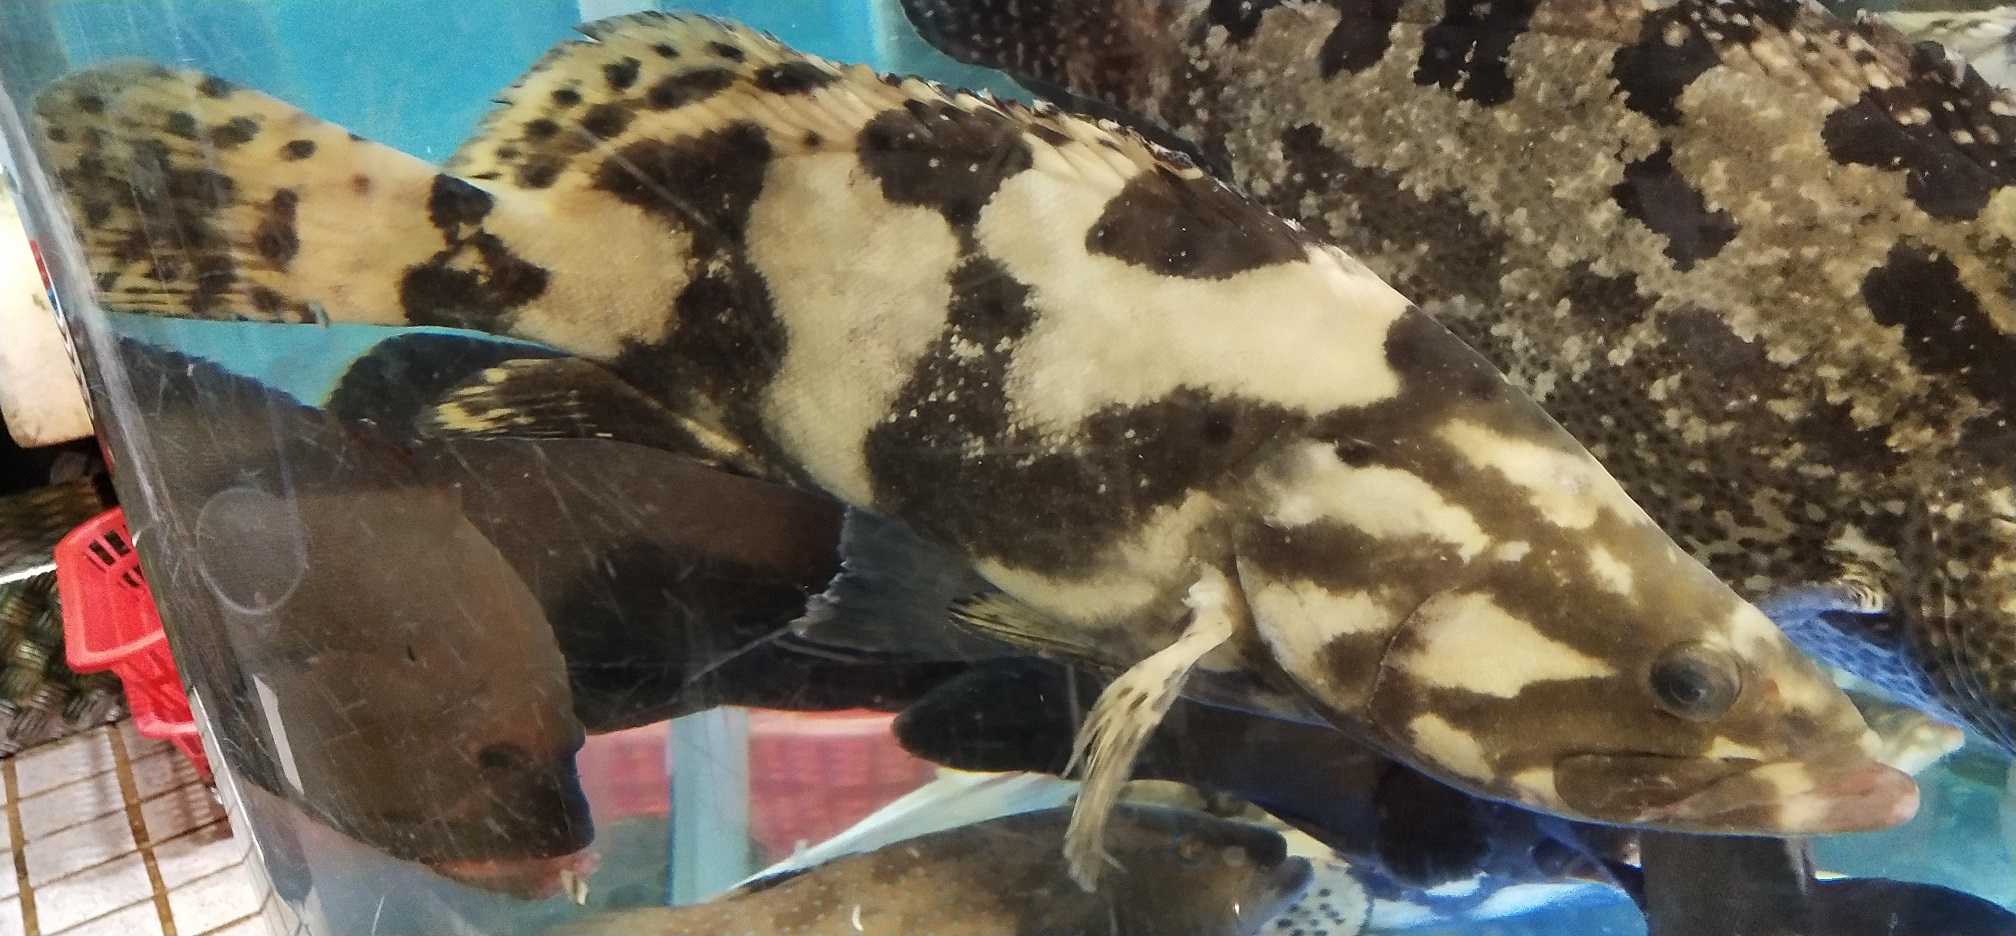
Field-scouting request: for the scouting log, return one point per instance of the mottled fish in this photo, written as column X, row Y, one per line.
column 1177, row 433
column 1985, row 38
column 1176, row 873
column 1756, row 258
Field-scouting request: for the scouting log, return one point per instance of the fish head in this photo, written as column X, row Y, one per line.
column 1199, row 873
column 425, row 704
column 1453, row 575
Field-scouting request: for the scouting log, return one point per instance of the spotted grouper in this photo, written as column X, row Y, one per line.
column 1756, row 258
column 1179, row 873
column 1178, row 436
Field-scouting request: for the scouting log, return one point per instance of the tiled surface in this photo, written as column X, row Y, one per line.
column 125, row 842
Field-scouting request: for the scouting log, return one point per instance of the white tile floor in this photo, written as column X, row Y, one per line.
column 113, row 834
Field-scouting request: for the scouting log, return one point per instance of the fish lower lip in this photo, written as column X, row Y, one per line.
column 1797, row 799
column 1848, row 793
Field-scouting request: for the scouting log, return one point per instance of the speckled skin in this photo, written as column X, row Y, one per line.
column 1086, row 368
column 1757, row 260
column 1180, row 874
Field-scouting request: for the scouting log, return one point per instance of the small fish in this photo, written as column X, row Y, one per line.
column 1716, row 885
column 1756, row 258
column 1179, row 436
column 419, row 706
column 1175, row 873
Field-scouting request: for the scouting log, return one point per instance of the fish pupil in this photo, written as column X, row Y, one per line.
column 1695, row 682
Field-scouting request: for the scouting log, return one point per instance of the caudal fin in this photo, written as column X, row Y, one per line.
column 195, row 198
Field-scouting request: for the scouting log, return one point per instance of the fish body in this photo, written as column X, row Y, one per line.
column 1757, row 259
column 1176, row 433
column 1178, row 874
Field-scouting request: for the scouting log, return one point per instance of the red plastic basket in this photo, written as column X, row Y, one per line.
column 110, row 622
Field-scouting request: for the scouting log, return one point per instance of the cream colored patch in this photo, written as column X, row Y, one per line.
column 1387, row 503
column 1298, row 620
column 858, row 318
column 1725, row 749
column 1309, row 335
column 1449, row 746
column 1466, row 641
column 1536, row 786
column 1567, row 485
column 1140, row 573
column 603, row 290
column 1614, row 574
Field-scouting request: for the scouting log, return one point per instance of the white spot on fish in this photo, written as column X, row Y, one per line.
column 1450, row 746
column 1385, row 502
column 1307, row 335
column 1613, row 573
column 1466, row 641
column 1569, row 488
column 841, row 372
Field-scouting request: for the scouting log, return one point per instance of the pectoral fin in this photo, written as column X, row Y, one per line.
column 1126, row 716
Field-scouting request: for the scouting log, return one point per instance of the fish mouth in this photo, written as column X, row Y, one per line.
column 1732, row 796
column 523, row 878
column 1282, row 886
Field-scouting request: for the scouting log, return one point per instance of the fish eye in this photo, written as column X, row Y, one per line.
column 1189, row 851
column 1696, row 682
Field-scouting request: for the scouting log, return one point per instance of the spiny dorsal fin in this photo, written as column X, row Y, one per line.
column 195, row 198
column 670, row 76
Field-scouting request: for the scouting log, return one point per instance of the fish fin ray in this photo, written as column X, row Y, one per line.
column 572, row 398
column 895, row 596
column 1126, row 716
column 1009, row 620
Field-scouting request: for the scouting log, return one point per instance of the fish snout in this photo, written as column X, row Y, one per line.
column 1281, row 885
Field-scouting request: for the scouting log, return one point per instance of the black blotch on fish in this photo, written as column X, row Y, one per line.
column 689, row 87
column 275, row 239
column 1466, row 51
column 1363, row 34
column 235, row 132
column 1653, row 73
column 732, row 53
column 621, row 75
column 706, row 183
column 565, row 97
column 182, row 124
column 1946, row 179
column 449, row 290
column 1945, row 329
column 1663, row 200
column 605, row 121
column 452, row 203
column 1177, row 227
column 297, row 149
column 937, row 156
column 793, row 78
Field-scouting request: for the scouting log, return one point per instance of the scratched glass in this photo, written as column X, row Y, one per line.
column 505, row 481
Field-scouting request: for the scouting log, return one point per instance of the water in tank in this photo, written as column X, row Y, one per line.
column 1107, row 466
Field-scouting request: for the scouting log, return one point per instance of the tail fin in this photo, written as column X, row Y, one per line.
column 195, row 198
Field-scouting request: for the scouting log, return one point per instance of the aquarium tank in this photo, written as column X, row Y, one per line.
column 1096, row 466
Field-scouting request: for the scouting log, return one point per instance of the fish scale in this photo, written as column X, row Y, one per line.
column 1183, row 439
column 1756, row 258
